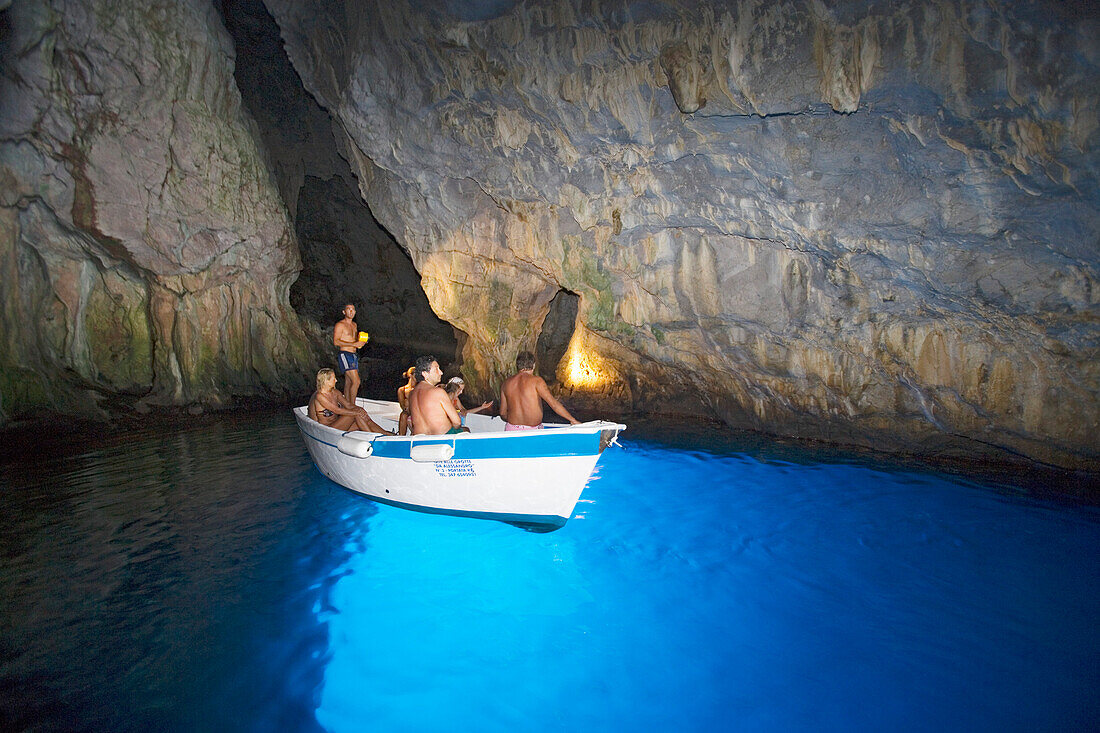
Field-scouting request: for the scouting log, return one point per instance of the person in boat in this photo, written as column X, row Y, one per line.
column 431, row 408
column 345, row 337
column 328, row 407
column 403, row 399
column 455, row 387
column 522, row 395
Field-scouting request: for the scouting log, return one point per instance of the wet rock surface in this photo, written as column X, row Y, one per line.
column 867, row 223
column 346, row 256
column 873, row 223
column 143, row 247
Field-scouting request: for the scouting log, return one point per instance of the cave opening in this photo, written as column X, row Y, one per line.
column 557, row 332
column 346, row 255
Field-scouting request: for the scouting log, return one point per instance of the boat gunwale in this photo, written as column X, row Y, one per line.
column 548, row 429
column 585, row 441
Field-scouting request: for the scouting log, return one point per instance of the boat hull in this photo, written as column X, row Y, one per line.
column 526, row 477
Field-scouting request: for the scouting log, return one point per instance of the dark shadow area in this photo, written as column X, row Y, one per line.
column 347, row 257
column 296, row 132
column 5, row 32
column 188, row 572
column 557, row 330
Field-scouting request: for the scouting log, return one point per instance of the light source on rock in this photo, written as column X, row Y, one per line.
column 585, row 369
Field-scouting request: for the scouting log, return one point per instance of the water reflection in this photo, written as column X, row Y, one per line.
column 440, row 611
column 705, row 588
column 170, row 581
column 212, row 579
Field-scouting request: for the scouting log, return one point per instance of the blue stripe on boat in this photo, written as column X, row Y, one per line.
column 546, row 445
column 534, row 446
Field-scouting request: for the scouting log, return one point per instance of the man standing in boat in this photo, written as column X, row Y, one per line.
column 522, row 395
column 433, row 413
column 345, row 336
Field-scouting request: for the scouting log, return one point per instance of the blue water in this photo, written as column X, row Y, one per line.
column 211, row 579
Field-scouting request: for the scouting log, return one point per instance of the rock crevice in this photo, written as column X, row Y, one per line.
column 843, row 220
column 840, row 220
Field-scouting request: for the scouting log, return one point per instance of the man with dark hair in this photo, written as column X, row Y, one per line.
column 433, row 413
column 345, row 336
column 423, row 366
column 525, row 360
column 522, row 395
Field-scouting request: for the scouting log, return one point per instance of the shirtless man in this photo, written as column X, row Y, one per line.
column 429, row 404
column 327, row 406
column 345, row 336
column 403, row 399
column 522, row 395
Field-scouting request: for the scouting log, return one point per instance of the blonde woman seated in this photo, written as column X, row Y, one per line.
column 454, row 388
column 328, row 407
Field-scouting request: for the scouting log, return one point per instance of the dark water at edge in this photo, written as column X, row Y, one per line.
column 998, row 469
column 174, row 578
column 123, row 565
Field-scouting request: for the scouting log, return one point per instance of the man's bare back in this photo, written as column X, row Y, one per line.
column 522, row 395
column 432, row 411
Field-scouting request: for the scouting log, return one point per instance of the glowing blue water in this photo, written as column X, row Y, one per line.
column 212, row 579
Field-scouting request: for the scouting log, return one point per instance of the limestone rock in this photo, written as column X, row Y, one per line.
column 346, row 256
column 143, row 246
column 881, row 227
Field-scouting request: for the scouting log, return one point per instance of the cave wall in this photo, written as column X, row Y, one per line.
column 144, row 248
column 859, row 221
column 346, row 256
column 295, row 132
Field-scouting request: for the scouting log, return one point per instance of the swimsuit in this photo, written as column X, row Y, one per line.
column 327, row 412
column 453, row 431
column 348, row 361
column 508, row 427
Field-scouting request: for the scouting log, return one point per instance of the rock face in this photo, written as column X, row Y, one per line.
column 860, row 221
column 144, row 248
column 346, row 256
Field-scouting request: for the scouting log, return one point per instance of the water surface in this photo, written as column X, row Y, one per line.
column 210, row 578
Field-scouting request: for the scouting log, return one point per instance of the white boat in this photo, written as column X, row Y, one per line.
column 531, row 477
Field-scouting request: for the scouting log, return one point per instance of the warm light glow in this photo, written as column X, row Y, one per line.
column 585, row 370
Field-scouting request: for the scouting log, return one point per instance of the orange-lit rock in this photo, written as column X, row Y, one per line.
column 881, row 227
